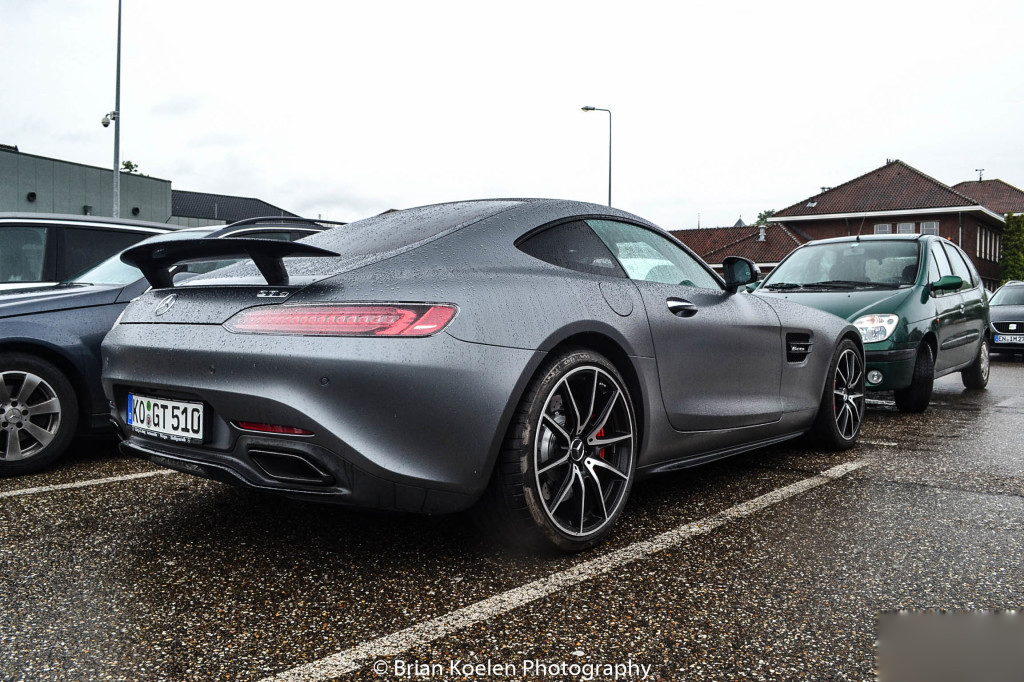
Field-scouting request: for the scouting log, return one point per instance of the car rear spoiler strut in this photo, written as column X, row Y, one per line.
column 156, row 259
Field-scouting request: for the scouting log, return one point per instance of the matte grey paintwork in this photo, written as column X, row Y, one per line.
column 416, row 424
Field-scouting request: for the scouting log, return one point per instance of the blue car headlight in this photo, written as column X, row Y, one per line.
column 874, row 328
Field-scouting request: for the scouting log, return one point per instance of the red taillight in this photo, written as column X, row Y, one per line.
column 273, row 428
column 343, row 320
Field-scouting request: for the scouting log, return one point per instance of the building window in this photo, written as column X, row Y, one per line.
column 989, row 244
column 883, row 228
column 905, row 228
column 930, row 227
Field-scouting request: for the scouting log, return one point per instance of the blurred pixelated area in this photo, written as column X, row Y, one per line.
column 950, row 646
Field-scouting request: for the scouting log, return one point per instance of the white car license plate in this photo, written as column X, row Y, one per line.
column 169, row 419
column 1009, row 338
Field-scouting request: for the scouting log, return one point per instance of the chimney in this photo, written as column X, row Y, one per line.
column 761, row 232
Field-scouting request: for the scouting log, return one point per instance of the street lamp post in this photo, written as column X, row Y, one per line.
column 115, row 116
column 609, row 148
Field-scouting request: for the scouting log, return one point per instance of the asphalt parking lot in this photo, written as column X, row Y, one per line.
column 770, row 566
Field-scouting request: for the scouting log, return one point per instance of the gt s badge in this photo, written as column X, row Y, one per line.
column 271, row 293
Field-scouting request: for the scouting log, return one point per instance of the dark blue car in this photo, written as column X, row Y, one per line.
column 50, row 346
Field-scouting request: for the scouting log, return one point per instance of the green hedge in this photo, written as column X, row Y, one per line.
column 1012, row 256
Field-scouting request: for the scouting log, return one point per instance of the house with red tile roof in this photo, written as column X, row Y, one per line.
column 1001, row 197
column 766, row 245
column 899, row 199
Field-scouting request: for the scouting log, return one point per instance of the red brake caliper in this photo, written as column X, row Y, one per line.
column 600, row 434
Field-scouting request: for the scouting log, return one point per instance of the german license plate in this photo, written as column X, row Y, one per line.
column 168, row 419
column 1009, row 338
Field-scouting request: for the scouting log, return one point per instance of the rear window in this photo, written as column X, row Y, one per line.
column 379, row 237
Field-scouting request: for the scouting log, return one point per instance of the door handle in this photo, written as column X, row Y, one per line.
column 681, row 307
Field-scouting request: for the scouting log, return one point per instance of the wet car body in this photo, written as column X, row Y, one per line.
column 949, row 318
column 418, row 424
column 1006, row 308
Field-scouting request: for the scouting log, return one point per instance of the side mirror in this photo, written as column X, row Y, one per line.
column 947, row 283
column 739, row 272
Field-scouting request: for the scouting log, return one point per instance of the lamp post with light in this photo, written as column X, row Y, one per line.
column 609, row 148
column 115, row 116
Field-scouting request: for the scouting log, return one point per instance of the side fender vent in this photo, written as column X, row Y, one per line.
column 798, row 346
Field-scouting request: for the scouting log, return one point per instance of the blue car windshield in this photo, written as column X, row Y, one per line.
column 848, row 264
column 115, row 271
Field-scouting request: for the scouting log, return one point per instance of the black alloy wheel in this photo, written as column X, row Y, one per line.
column 569, row 458
column 841, row 412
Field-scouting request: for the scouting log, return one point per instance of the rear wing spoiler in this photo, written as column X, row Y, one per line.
column 156, row 259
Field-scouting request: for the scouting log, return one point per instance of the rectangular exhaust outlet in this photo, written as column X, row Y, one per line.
column 290, row 467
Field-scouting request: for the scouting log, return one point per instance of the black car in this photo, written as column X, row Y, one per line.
column 531, row 356
column 1006, row 308
column 50, row 346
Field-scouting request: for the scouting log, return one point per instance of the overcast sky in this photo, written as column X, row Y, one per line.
column 345, row 109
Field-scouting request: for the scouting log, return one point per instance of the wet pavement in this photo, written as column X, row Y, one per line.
column 169, row 577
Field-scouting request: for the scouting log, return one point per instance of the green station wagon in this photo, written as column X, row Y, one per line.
column 917, row 301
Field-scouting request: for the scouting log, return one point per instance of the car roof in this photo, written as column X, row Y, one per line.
column 875, row 238
column 84, row 221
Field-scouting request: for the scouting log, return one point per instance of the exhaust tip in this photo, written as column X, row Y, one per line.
column 289, row 467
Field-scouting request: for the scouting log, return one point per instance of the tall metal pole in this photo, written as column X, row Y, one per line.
column 117, row 122
column 609, row 148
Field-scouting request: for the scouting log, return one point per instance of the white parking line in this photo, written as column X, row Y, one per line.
column 84, row 484
column 352, row 659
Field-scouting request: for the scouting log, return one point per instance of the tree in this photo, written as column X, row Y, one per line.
column 129, row 167
column 763, row 216
column 1012, row 256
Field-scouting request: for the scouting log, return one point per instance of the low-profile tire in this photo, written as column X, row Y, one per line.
column 841, row 411
column 38, row 414
column 915, row 398
column 976, row 376
column 568, row 460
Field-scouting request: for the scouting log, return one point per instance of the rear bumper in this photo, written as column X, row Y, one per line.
column 399, row 424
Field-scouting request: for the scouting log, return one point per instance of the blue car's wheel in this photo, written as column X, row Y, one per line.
column 38, row 414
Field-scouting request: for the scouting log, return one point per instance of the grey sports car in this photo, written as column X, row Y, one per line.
column 530, row 357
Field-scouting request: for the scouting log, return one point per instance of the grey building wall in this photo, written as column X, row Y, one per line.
column 65, row 187
column 195, row 222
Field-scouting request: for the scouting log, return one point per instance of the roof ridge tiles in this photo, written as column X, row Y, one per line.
column 881, row 190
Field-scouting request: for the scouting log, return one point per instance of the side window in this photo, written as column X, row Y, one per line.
column 960, row 268
column 23, row 254
column 84, row 248
column 574, row 246
column 648, row 256
column 940, row 263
